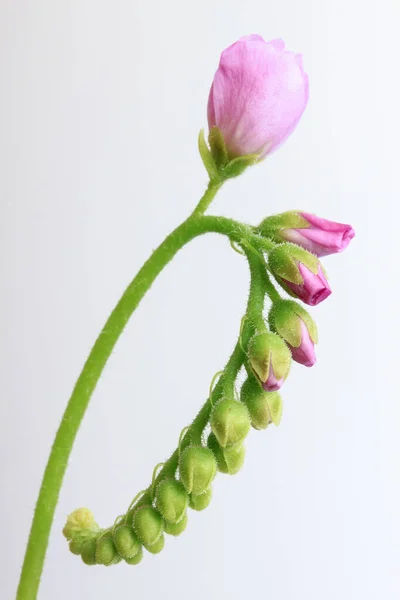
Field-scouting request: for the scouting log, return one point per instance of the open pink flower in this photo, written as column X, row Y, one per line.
column 314, row 288
column 320, row 236
column 258, row 95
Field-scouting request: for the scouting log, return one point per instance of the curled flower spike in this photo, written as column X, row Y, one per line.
column 257, row 97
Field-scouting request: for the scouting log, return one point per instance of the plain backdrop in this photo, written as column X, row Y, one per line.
column 100, row 107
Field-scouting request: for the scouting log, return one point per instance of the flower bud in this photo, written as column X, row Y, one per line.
column 255, row 398
column 197, row 469
column 157, row 547
column 201, row 501
column 148, row 525
column 319, row 236
column 297, row 328
column 105, row 551
column 79, row 521
column 135, row 560
column 126, row 542
column 230, row 422
column 88, row 553
column 300, row 273
column 258, row 95
column 172, row 500
column 176, row 528
column 270, row 359
column 229, row 460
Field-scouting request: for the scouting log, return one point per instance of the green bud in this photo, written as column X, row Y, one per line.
column 80, row 520
column 148, row 525
column 285, row 319
column 126, row 542
column 171, row 500
column 200, row 502
column 157, row 547
column 284, row 262
column 89, row 552
column 229, row 460
column 268, row 355
column 105, row 551
column 197, row 469
column 176, row 528
column 230, row 422
column 135, row 560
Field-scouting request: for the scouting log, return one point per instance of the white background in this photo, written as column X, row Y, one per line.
column 100, row 107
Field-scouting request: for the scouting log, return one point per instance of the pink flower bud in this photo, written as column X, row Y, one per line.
column 299, row 272
column 314, row 288
column 320, row 236
column 305, row 353
column 258, row 95
column 272, row 384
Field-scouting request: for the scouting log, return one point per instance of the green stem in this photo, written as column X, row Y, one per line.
column 86, row 383
column 207, row 198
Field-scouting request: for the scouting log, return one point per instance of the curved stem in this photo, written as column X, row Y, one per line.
column 86, row 383
column 207, row 198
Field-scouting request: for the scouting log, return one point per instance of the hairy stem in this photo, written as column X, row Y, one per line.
column 57, row 463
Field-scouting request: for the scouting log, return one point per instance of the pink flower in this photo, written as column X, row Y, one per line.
column 305, row 353
column 314, row 288
column 258, row 95
column 320, row 236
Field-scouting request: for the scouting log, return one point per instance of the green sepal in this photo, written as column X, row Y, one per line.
column 265, row 348
column 197, row 469
column 218, row 147
column 148, row 525
column 157, row 546
column 207, row 158
column 284, row 262
column 230, row 422
column 126, row 542
column 275, row 407
column 238, row 165
column 285, row 319
column 135, row 560
column 201, row 501
column 171, row 500
column 176, row 529
column 287, row 220
column 229, row 460
column 105, row 551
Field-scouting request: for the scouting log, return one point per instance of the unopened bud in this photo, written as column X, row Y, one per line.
column 171, row 500
column 148, row 525
column 88, row 553
column 229, row 460
column 105, row 551
column 270, row 359
column 200, row 502
column 126, row 542
column 230, row 422
column 197, row 469
column 293, row 323
column 176, row 528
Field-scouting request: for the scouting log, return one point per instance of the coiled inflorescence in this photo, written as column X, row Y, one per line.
column 266, row 348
